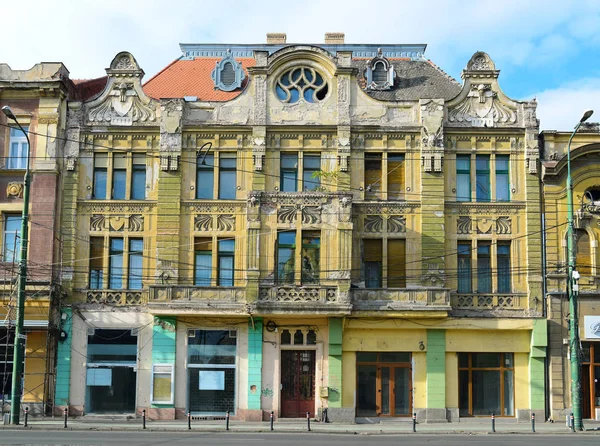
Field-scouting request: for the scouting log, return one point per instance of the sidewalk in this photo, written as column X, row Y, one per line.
column 478, row 426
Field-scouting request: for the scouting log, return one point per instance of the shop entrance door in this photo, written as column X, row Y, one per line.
column 384, row 388
column 297, row 383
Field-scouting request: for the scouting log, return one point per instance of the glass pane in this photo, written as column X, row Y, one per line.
column 227, row 162
column 366, row 357
column 286, row 337
column 504, row 283
column 312, row 162
column 502, row 187
column 597, row 385
column 463, row 393
column 225, row 270
column 298, row 337
column 464, row 268
column 138, row 184
column 226, row 245
column 100, row 184
column 486, row 392
column 483, row 187
column 463, row 187
column 394, row 357
column 203, row 268
column 373, row 274
column 310, row 257
column 205, row 178
column 463, row 163
column 119, row 178
column 501, row 163
column 385, row 390
column 212, row 347
column 289, row 161
column 311, row 338
column 484, row 268
column 509, row 393
column 136, row 248
column 402, row 390
column 309, row 180
column 463, row 360
column 482, row 163
column 287, row 238
column 115, row 280
column 597, row 355
column 227, row 184
column 161, row 387
column 288, row 181
column 484, row 360
column 211, row 390
column 366, row 391
column 285, row 265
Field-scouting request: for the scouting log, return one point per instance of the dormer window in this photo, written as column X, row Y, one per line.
column 228, row 73
column 380, row 73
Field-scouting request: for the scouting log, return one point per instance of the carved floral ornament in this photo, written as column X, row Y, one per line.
column 101, row 222
column 484, row 225
column 14, row 189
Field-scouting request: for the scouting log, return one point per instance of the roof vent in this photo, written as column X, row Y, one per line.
column 276, row 37
column 334, row 38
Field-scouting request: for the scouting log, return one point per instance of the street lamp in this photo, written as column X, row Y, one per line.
column 573, row 290
column 15, row 403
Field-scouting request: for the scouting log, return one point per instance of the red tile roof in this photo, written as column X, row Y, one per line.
column 192, row 78
column 87, row 88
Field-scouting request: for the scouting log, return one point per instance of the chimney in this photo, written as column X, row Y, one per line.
column 276, row 37
column 334, row 38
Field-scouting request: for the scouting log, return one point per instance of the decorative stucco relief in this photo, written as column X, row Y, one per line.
column 118, row 223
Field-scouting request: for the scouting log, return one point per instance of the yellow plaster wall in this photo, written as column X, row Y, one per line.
column 375, row 340
column 492, row 341
column 521, row 381
column 451, row 380
column 35, row 367
column 419, row 380
column 348, row 379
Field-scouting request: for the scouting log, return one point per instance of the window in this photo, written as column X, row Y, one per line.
column 205, row 177
column 227, row 176
column 484, row 267
column 136, row 249
column 203, row 261
column 119, row 177
column 395, row 176
column 583, row 259
column 228, row 74
column 211, row 371
column 7, row 342
column 396, row 265
column 301, row 83
column 226, row 262
column 463, row 178
column 503, row 259
column 115, row 264
column 373, row 176
column 502, row 179
column 96, row 263
column 12, row 242
column 379, row 73
column 100, row 175
column 162, row 384
column 486, row 384
column 482, row 175
column 311, row 253
column 289, row 172
column 464, row 267
column 286, row 256
column 373, row 264
column 312, row 165
column 138, row 177
column 378, row 181
column 18, row 150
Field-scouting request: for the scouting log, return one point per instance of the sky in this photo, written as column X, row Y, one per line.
column 546, row 49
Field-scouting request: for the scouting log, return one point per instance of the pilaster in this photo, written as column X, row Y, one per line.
column 255, row 353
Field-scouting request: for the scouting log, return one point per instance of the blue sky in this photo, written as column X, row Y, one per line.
column 547, row 49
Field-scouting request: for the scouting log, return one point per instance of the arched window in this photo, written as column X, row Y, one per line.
column 228, row 73
column 301, row 83
column 380, row 73
column 583, row 261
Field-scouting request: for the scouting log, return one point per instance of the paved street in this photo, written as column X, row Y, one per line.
column 9, row 437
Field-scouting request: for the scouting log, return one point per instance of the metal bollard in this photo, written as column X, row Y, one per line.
column 143, row 418
column 26, row 414
column 308, row 420
column 66, row 415
column 227, row 421
column 493, row 422
column 572, row 422
column 271, row 420
column 189, row 415
column 532, row 422
column 414, row 422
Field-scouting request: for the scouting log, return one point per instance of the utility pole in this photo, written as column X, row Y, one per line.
column 573, row 291
column 19, row 348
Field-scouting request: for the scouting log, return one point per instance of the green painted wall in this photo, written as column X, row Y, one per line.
column 164, row 337
column 255, row 351
column 539, row 341
column 63, row 361
column 436, row 369
column 335, row 361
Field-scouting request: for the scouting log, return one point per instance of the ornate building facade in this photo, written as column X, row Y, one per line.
column 299, row 227
column 38, row 98
column 585, row 149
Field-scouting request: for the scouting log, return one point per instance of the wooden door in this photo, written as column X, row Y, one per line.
column 297, row 383
column 394, row 391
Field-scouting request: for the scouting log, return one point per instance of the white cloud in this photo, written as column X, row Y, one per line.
column 561, row 108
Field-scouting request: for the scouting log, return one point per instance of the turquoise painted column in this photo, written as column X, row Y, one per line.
column 255, row 352
column 164, row 339
column 335, row 362
column 63, row 360
column 436, row 369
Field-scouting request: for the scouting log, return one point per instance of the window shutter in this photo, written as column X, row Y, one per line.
column 396, row 263
column 372, row 250
column 228, row 74
column 395, row 176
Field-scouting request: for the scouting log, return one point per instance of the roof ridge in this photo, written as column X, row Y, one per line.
column 443, row 72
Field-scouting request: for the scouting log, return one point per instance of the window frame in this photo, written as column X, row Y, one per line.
column 223, row 254
column 465, row 175
column 153, row 374
column 483, row 175
column 224, row 182
column 283, row 170
column 207, row 170
column 502, row 173
column 18, row 160
column 503, row 272
column 203, row 253
column 292, row 258
column 466, row 254
column 16, row 253
column 130, row 256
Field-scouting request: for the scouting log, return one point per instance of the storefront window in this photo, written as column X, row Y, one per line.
column 486, row 384
column 590, row 378
column 211, row 371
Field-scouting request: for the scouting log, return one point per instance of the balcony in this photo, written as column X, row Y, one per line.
column 386, row 299
column 495, row 302
column 309, row 299
column 117, row 297
column 197, row 297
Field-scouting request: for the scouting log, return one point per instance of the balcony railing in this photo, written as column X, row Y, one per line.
column 505, row 301
column 185, row 294
column 399, row 299
column 117, row 297
column 299, row 294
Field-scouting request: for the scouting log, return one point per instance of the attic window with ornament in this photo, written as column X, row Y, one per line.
column 301, row 84
column 380, row 73
column 228, row 74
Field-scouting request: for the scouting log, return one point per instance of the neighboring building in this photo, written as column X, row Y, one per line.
column 296, row 227
column 585, row 165
column 38, row 99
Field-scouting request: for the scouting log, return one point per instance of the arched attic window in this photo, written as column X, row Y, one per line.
column 228, row 73
column 380, row 73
